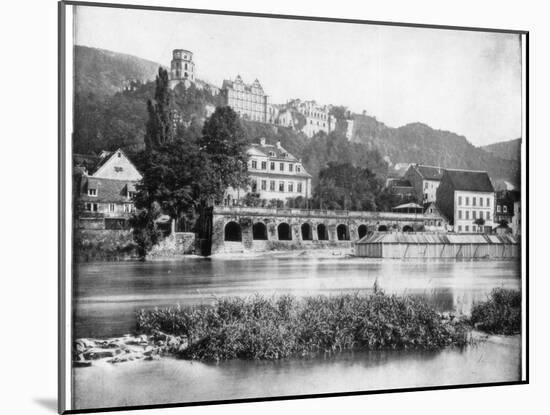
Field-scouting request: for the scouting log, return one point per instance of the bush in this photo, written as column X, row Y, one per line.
column 500, row 314
column 273, row 328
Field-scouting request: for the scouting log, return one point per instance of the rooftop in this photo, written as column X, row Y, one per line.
column 469, row 180
column 429, row 172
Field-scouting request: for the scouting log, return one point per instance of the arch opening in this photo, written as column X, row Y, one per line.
column 306, row 232
column 259, row 232
column 233, row 232
column 342, row 232
column 407, row 228
column 284, row 232
column 382, row 228
column 322, row 233
column 362, row 231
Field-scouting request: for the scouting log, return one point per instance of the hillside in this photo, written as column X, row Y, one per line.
column 419, row 143
column 103, row 72
column 106, row 118
column 508, row 150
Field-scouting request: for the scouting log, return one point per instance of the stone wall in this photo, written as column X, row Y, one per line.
column 349, row 222
column 173, row 246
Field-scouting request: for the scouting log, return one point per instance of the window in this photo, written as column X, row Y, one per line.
column 281, row 186
column 264, row 185
column 474, row 214
column 130, row 195
column 91, row 207
column 290, row 167
column 467, row 201
column 282, row 166
column 118, row 169
column 272, row 154
column 254, row 164
column 488, row 202
column 92, row 192
column 467, row 228
column 299, row 188
column 488, row 215
column 504, row 209
column 111, row 207
column 272, row 185
column 467, row 213
column 460, row 228
column 498, row 208
column 264, row 165
column 291, row 187
column 480, row 201
column 298, row 169
column 128, row 207
column 473, row 201
column 459, row 214
column 425, row 185
column 459, row 200
column 272, row 165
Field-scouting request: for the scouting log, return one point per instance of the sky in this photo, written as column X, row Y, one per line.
column 465, row 82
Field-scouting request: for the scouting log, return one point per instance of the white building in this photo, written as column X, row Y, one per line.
column 425, row 180
column 274, row 174
column 467, row 198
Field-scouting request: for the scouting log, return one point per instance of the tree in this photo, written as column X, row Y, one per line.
column 224, row 144
column 479, row 222
column 160, row 128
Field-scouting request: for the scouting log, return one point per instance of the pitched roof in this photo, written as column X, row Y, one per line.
column 108, row 190
column 429, row 172
column 469, row 180
column 399, row 183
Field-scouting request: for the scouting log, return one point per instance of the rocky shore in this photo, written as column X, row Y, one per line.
column 127, row 348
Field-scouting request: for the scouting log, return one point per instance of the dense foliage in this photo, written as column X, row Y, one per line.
column 274, row 328
column 500, row 314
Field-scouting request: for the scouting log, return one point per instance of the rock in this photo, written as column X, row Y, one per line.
column 94, row 354
column 153, row 357
column 143, row 338
column 82, row 363
column 126, row 358
column 83, row 344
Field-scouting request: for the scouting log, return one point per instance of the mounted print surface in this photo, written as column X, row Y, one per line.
column 258, row 207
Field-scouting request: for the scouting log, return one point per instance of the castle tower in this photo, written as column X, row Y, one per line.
column 182, row 67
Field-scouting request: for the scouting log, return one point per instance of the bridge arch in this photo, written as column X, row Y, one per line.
column 407, row 228
column 342, row 232
column 382, row 228
column 232, row 232
column 322, row 234
column 362, row 231
column 259, row 231
column 306, row 232
column 284, row 232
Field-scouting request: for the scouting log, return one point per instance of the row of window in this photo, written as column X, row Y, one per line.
column 272, row 184
column 94, row 193
column 246, row 96
column 475, row 228
column 111, row 207
column 311, row 123
column 475, row 215
column 504, row 209
column 474, row 201
column 272, row 166
column 316, row 114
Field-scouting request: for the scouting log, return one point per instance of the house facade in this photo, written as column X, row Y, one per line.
column 274, row 174
column 317, row 117
column 249, row 101
column 425, row 181
column 400, row 187
column 467, row 199
column 105, row 194
column 504, row 205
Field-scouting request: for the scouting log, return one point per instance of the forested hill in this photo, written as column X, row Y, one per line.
column 106, row 119
column 508, row 150
column 419, row 143
column 103, row 72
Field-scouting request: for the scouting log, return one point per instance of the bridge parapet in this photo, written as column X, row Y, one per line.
column 241, row 229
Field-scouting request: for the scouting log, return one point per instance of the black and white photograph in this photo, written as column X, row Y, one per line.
column 263, row 206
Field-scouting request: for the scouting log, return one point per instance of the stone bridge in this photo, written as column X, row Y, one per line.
column 242, row 229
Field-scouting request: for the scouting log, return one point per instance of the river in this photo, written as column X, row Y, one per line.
column 107, row 296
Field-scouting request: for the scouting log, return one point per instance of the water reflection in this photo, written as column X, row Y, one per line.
column 108, row 294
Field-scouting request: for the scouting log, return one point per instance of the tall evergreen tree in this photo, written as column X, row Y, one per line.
column 160, row 129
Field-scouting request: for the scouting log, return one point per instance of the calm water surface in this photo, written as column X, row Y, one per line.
column 108, row 295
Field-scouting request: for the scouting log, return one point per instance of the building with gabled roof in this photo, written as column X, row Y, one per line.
column 105, row 192
column 248, row 100
column 467, row 198
column 274, row 174
column 425, row 180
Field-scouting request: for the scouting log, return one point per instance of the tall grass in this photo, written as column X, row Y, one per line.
column 276, row 327
column 500, row 314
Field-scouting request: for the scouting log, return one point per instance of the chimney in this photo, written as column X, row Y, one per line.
column 262, row 141
column 278, row 144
